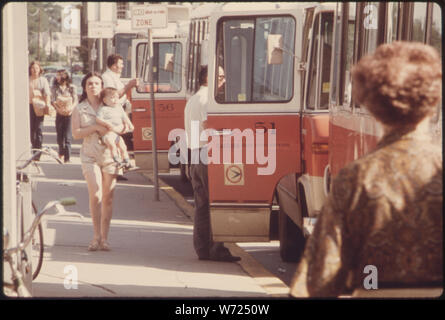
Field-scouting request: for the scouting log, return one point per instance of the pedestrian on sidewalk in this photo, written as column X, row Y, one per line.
column 196, row 113
column 64, row 99
column 39, row 101
column 98, row 166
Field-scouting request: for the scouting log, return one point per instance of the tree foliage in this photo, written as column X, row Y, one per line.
column 42, row 17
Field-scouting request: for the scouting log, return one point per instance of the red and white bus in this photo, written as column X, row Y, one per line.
column 169, row 92
column 169, row 49
column 360, row 28
column 276, row 58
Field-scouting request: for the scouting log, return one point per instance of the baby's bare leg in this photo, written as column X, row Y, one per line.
column 109, row 142
column 120, row 143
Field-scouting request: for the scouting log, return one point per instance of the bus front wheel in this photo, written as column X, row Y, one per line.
column 292, row 240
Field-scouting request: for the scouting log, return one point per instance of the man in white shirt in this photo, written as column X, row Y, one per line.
column 111, row 78
column 195, row 121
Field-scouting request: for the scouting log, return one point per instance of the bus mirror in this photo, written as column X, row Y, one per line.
column 275, row 49
column 169, row 62
column 204, row 52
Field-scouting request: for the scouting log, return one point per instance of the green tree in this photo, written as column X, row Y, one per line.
column 42, row 17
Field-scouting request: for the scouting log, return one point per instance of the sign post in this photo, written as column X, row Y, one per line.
column 150, row 16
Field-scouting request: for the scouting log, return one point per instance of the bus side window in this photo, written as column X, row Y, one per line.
column 372, row 25
column 419, row 22
column 305, row 48
column 140, row 53
column 393, row 21
column 122, row 44
column 238, row 42
column 320, row 64
column 242, row 51
column 190, row 57
column 327, row 26
column 313, row 67
column 435, row 39
column 220, row 92
column 347, row 52
column 372, row 31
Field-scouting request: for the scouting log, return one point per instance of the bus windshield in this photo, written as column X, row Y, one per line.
column 242, row 53
column 122, row 43
column 167, row 66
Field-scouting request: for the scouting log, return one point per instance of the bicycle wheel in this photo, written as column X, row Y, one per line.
column 37, row 248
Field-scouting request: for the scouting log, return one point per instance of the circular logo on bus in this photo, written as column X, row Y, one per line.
column 234, row 174
column 147, row 133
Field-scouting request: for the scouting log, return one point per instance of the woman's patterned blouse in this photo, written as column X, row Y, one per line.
column 384, row 210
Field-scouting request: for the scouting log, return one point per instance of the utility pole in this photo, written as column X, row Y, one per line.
column 154, row 148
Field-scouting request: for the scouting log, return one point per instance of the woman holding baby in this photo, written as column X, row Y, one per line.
column 98, row 166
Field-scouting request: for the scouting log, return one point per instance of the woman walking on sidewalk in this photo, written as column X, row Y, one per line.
column 64, row 99
column 39, row 100
column 98, row 166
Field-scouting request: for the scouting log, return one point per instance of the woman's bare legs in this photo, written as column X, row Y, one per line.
column 108, row 185
column 94, row 182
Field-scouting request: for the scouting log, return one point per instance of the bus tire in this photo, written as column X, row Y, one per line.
column 292, row 240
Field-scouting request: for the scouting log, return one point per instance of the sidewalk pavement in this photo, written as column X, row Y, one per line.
column 152, row 252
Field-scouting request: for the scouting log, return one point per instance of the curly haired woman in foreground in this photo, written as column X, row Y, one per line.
column 385, row 209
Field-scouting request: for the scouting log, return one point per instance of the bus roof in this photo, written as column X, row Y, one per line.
column 207, row 9
column 173, row 30
column 264, row 6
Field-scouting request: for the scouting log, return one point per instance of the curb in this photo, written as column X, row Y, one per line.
column 268, row 281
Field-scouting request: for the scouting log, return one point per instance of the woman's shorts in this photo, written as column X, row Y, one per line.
column 98, row 156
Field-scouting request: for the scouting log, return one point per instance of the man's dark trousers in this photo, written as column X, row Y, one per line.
column 202, row 233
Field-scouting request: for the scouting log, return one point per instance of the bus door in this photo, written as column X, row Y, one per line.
column 256, row 122
column 300, row 194
column 315, row 114
column 169, row 92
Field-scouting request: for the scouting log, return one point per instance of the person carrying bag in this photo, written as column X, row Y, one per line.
column 39, row 102
column 64, row 99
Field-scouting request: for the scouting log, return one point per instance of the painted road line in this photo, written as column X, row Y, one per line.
column 268, row 281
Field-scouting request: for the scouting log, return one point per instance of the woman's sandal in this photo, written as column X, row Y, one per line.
column 104, row 246
column 94, row 245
